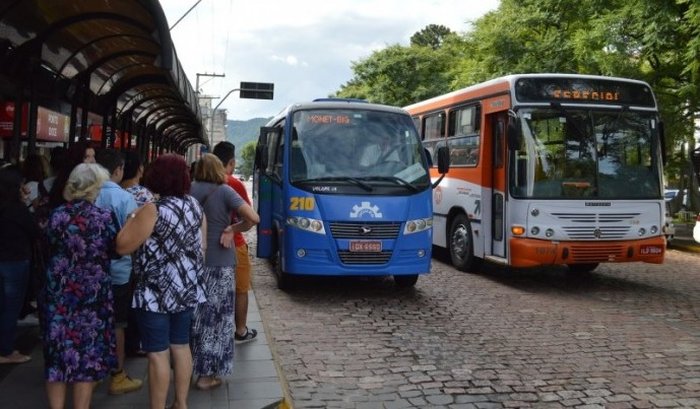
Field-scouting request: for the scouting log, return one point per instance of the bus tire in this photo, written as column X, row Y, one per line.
column 582, row 268
column 284, row 281
column 405, row 281
column 461, row 245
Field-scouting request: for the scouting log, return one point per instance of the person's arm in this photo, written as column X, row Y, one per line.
column 247, row 218
column 138, row 227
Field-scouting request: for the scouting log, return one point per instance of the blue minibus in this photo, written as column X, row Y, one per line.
column 342, row 188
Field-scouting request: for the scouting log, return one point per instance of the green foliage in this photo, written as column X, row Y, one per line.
column 651, row 40
column 399, row 75
column 431, row 36
column 245, row 165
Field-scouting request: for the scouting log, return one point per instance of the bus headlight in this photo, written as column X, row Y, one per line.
column 306, row 224
column 418, row 225
column 654, row 229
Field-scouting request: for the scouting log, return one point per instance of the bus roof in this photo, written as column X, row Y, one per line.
column 500, row 85
column 335, row 103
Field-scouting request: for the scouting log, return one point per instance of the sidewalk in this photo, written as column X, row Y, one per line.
column 255, row 383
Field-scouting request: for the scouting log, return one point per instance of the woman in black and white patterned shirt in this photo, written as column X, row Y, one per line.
column 166, row 237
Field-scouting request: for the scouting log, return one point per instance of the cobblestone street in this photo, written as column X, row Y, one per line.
column 625, row 336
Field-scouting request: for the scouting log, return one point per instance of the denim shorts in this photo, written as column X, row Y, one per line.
column 160, row 330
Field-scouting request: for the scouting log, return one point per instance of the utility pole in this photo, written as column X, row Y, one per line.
column 204, row 74
column 210, row 119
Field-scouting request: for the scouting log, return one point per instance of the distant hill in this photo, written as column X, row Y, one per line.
column 240, row 133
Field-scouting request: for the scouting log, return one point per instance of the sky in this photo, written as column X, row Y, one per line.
column 305, row 47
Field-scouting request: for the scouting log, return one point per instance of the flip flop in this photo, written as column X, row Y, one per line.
column 214, row 383
column 15, row 358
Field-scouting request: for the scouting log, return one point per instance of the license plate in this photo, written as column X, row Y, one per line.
column 365, row 246
column 651, row 250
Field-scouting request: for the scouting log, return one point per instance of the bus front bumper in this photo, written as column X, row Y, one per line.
column 305, row 259
column 525, row 252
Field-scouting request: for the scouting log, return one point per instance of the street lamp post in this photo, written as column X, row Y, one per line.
column 213, row 115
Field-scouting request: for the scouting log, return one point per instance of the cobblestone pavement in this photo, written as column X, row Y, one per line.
column 626, row 336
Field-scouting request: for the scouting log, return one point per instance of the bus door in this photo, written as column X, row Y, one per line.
column 498, row 183
column 266, row 186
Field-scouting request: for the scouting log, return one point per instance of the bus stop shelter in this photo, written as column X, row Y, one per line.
column 98, row 70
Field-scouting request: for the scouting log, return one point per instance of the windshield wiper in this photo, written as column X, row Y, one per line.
column 394, row 179
column 356, row 181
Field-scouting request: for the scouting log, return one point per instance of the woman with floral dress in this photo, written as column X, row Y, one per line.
column 78, row 318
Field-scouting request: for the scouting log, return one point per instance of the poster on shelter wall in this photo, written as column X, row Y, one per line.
column 51, row 126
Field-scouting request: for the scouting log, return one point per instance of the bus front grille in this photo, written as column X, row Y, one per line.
column 592, row 233
column 344, row 230
column 348, row 257
column 596, row 226
column 597, row 254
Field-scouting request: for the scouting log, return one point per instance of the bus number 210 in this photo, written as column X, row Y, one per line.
column 301, row 203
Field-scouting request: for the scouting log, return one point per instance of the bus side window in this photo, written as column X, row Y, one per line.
column 272, row 140
column 279, row 159
column 463, row 121
column 434, row 126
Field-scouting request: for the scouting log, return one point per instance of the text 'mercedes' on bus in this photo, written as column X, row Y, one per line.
column 342, row 188
column 548, row 169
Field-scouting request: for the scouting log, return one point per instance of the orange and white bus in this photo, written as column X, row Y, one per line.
column 547, row 169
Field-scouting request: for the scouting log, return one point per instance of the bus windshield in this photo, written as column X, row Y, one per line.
column 582, row 153
column 365, row 148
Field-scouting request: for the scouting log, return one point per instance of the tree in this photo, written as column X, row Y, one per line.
column 248, row 159
column 399, row 75
column 431, row 36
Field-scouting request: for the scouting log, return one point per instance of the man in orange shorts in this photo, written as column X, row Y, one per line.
column 226, row 152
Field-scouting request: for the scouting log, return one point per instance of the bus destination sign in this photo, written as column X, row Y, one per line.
column 583, row 90
column 330, row 119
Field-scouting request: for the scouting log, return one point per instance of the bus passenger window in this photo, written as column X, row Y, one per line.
column 434, row 126
column 463, row 121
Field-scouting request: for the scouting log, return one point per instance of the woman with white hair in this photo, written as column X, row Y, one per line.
column 77, row 314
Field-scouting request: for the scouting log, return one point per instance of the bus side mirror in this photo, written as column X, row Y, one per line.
column 261, row 157
column 513, row 135
column 264, row 130
column 443, row 154
column 443, row 157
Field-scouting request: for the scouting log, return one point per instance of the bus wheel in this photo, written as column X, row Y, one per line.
column 582, row 268
column 405, row 281
column 283, row 279
column 461, row 245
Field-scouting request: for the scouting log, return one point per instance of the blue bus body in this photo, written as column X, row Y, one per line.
column 324, row 211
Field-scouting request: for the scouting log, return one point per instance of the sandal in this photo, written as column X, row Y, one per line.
column 211, row 384
column 249, row 335
column 15, row 358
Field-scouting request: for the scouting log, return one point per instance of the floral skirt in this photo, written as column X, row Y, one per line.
column 213, row 325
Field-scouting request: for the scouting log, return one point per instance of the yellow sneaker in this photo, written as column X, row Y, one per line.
column 121, row 383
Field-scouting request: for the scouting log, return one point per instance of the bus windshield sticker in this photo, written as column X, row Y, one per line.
column 411, row 173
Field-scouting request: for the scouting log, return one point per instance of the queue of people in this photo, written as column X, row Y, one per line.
column 110, row 253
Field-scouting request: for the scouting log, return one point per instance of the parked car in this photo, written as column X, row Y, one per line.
column 696, row 229
column 669, row 194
